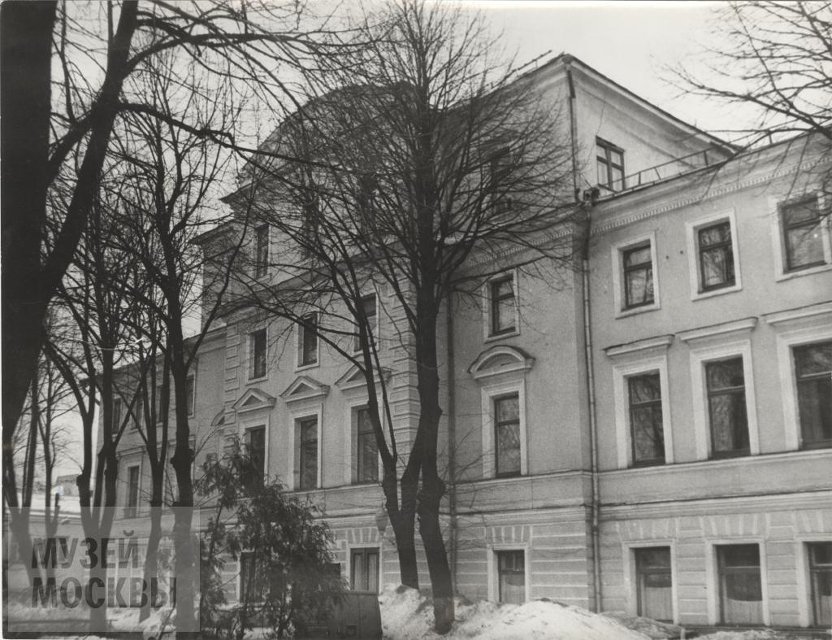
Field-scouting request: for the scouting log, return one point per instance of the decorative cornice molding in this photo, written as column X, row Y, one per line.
column 521, row 362
column 639, row 346
column 800, row 313
column 304, row 388
column 735, row 326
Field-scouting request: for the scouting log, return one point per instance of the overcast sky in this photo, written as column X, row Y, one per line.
column 630, row 42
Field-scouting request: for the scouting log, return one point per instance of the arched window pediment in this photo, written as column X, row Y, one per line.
column 500, row 360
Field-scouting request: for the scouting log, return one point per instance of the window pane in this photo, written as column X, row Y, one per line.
column 729, row 423
column 309, row 454
column 512, row 576
column 639, row 287
column 502, row 305
column 716, row 234
column 804, row 246
column 800, row 212
column 508, row 408
column 366, row 448
column 645, row 388
column 508, row 449
column 309, row 340
column 258, row 349
column 655, row 583
column 740, row 585
column 637, row 256
column 725, row 374
column 648, row 436
column 603, row 177
column 189, row 391
column 257, row 453
column 717, row 267
column 813, row 359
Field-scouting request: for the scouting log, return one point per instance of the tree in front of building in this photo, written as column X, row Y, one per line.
column 285, row 583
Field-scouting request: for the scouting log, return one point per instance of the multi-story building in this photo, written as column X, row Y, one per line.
column 649, row 432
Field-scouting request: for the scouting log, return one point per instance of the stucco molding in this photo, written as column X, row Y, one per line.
column 639, row 346
column 481, row 367
column 253, row 399
column 304, row 388
column 746, row 325
column 782, row 318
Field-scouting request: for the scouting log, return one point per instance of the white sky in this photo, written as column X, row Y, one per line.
column 632, row 43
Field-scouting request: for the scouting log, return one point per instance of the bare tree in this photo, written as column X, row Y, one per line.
column 419, row 151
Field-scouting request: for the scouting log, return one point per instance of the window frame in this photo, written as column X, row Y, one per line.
column 619, row 277
column 364, row 550
column 628, row 551
column 718, row 608
column 489, row 335
column 653, row 403
column 262, row 250
column 118, row 415
column 301, row 333
column 247, row 431
column 698, row 292
column 301, row 446
column 356, row 338
column 699, row 356
column 640, row 364
column 132, row 510
column 729, row 391
column 251, row 374
column 497, row 425
column 608, row 149
column 489, row 393
column 812, row 618
column 817, row 444
column 493, row 567
column 781, row 260
column 190, row 401
column 355, row 459
column 499, row 162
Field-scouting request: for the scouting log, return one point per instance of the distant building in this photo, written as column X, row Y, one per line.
column 651, row 434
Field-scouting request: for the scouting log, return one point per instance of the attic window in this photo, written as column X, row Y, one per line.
column 610, row 162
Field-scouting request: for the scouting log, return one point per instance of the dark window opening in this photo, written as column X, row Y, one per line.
column 646, row 427
column 813, row 373
column 502, row 306
column 308, row 429
column 802, row 234
column 507, row 435
column 610, row 163
column 654, row 583
column 511, row 576
column 820, row 570
column 261, row 264
column 726, row 407
column 638, row 276
column 716, row 256
column 258, row 354
column 364, row 570
column 740, row 584
column 308, row 343
column 366, row 447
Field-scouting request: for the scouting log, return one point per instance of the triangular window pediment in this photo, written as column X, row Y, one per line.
column 304, row 388
column 254, row 400
column 354, row 378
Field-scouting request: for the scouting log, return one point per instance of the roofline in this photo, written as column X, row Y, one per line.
column 567, row 59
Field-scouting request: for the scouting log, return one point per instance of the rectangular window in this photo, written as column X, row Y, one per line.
column 638, row 276
column 813, row 373
column 727, row 410
column 507, row 434
column 820, row 572
column 802, row 227
column 364, row 570
column 118, row 410
column 162, row 403
column 257, row 351
column 261, row 259
column 256, row 445
column 308, row 340
column 511, row 576
column 138, row 409
column 610, row 163
column 190, row 390
column 365, row 447
column 646, row 427
column 654, row 581
column 500, row 173
column 132, row 491
column 254, row 582
column 502, row 305
column 308, row 432
column 716, row 256
column 368, row 307
column 740, row 584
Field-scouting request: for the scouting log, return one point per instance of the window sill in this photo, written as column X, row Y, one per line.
column 727, row 455
column 819, row 444
column 648, row 463
column 499, row 336
column 710, row 293
column 260, row 379
column 307, row 367
column 625, row 313
column 796, row 273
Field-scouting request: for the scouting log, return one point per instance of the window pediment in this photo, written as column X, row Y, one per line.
column 354, row 378
column 304, row 388
column 253, row 400
column 499, row 360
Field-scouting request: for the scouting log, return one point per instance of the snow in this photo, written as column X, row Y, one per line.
column 407, row 615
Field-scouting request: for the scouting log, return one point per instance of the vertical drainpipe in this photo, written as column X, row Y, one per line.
column 451, row 439
column 595, row 506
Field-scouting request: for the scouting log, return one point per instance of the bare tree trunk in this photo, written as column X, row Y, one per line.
column 151, row 560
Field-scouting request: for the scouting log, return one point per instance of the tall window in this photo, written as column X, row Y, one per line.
column 610, row 162
column 257, row 351
column 638, row 276
column 308, row 432
column 654, row 580
column 256, row 443
column 511, row 576
column 138, row 409
column 132, row 491
column 365, row 447
column 308, row 341
column 507, row 434
column 190, row 390
column 368, row 306
column 820, row 570
column 500, row 172
column 503, row 314
column 740, row 585
column 254, row 578
column 802, row 234
column 726, row 407
column 646, row 428
column 813, row 371
column 716, row 256
column 118, row 411
column 364, row 569
column 261, row 258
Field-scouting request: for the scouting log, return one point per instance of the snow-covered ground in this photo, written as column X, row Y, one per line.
column 408, row 615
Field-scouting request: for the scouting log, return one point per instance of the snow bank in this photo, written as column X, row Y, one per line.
column 407, row 615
